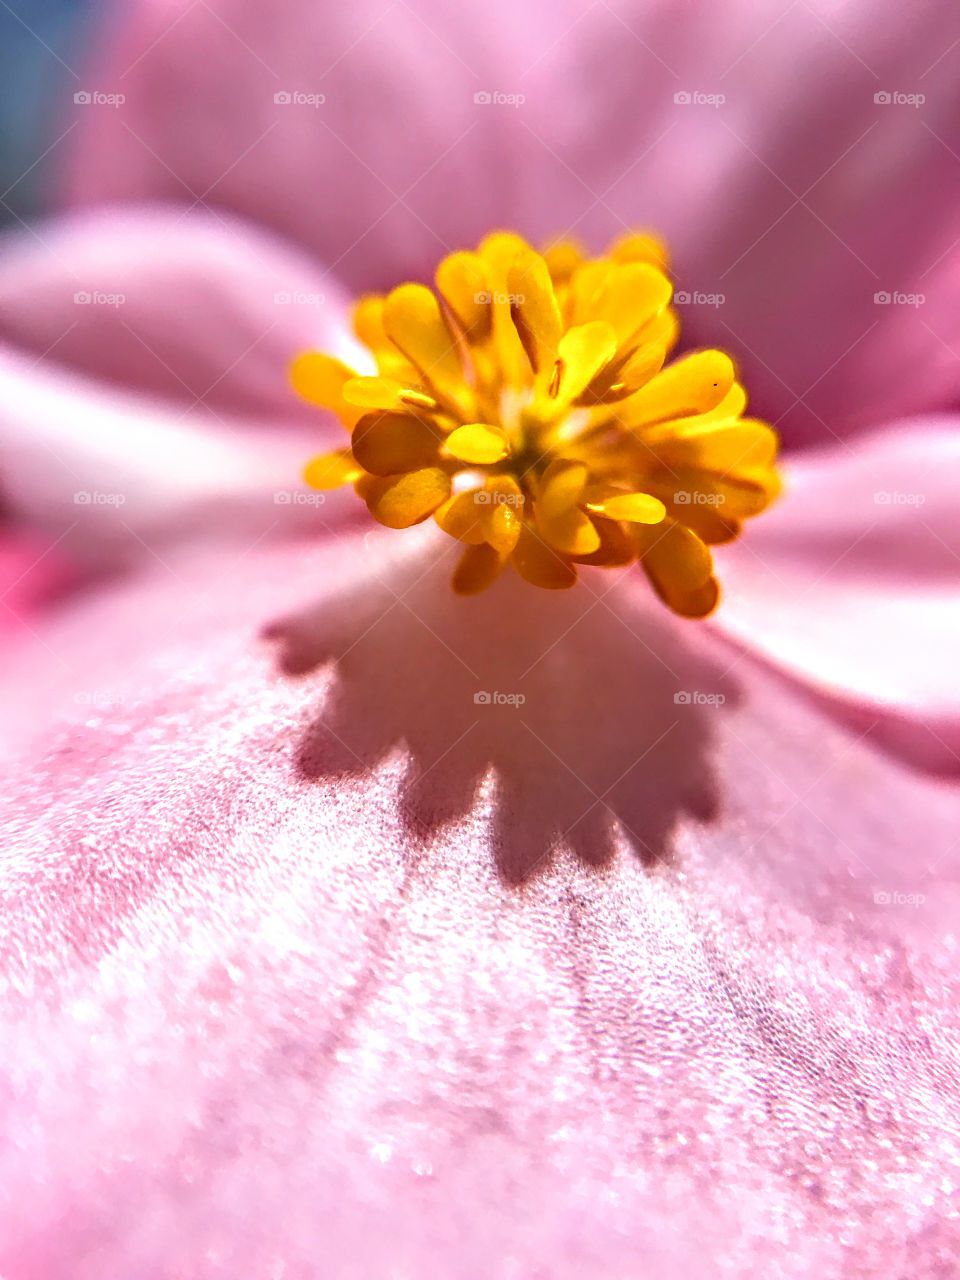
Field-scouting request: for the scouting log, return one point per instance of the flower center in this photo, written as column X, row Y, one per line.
column 527, row 405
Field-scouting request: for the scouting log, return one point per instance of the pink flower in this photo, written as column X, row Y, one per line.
column 386, row 970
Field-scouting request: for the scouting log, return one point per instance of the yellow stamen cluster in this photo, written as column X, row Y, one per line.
column 526, row 405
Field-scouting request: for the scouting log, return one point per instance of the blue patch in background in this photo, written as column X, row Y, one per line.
column 43, row 47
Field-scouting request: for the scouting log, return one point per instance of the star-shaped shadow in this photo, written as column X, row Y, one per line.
column 589, row 709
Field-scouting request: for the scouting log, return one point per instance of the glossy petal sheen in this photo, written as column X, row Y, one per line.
column 176, row 302
column 108, row 478
column 301, row 969
column 852, row 582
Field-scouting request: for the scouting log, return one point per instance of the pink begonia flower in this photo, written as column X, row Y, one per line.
column 349, row 974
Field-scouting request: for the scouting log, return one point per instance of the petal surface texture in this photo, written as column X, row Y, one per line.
column 852, row 584
column 303, row 968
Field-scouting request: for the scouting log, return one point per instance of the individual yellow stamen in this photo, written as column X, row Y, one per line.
column 464, row 518
column 581, row 353
column 563, row 257
column 632, row 369
column 559, row 518
column 463, row 281
column 528, row 405
column 627, row 296
column 476, row 442
column 695, row 384
column 321, row 379
column 389, row 444
column 640, row 247
column 540, row 564
column 400, row 501
column 331, row 470
column 417, row 327
column 534, row 311
column 386, row 393
column 478, row 567
column 635, row 508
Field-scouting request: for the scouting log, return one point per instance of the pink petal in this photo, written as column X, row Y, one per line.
column 283, row 986
column 395, row 160
column 793, row 203
column 798, row 199
column 31, row 575
column 851, row 583
column 108, row 478
column 195, row 306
